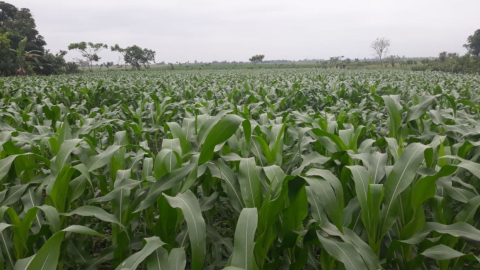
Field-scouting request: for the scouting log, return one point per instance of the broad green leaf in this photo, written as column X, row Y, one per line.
column 52, row 216
column 59, row 190
column 93, row 211
column 468, row 211
column 82, row 230
column 417, row 111
column 242, row 256
column 190, row 207
column 398, row 180
column 459, row 229
column 394, row 111
column 158, row 260
column 102, row 159
column 250, row 183
column 6, row 163
column 132, row 262
column 177, row 259
column 177, row 132
column 164, row 183
column 343, row 252
column 338, row 142
column 426, row 187
column 222, row 130
column 326, row 196
column 65, row 150
column 222, row 171
column 14, row 194
column 441, row 252
column 47, row 257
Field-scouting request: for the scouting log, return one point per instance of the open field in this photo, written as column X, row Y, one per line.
column 240, row 169
column 294, row 65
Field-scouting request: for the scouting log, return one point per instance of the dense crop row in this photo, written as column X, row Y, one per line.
column 240, row 170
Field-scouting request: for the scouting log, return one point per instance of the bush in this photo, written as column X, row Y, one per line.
column 71, row 67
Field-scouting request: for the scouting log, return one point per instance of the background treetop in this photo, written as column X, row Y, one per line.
column 257, row 58
column 380, row 47
column 473, row 44
column 135, row 55
column 89, row 50
column 19, row 23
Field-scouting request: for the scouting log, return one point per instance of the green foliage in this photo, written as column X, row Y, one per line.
column 7, row 64
column 264, row 169
column 19, row 23
column 452, row 62
column 257, row 58
column 52, row 63
column 89, row 51
column 135, row 56
column 473, row 44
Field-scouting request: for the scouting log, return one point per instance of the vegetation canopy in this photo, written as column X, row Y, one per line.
column 89, row 51
column 256, row 58
column 135, row 56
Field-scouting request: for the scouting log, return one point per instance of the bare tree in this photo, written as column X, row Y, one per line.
column 380, row 46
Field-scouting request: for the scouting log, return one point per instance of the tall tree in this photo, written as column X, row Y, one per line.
column 7, row 62
column 380, row 47
column 473, row 44
column 19, row 23
column 135, row 56
column 89, row 51
column 257, row 58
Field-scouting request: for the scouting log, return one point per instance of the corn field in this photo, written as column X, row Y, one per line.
column 264, row 169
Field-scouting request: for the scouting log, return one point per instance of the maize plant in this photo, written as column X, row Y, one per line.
column 264, row 169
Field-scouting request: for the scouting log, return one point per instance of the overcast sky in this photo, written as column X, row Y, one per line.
column 207, row 30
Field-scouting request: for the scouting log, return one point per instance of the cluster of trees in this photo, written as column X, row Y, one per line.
column 448, row 62
column 132, row 55
column 22, row 48
column 454, row 62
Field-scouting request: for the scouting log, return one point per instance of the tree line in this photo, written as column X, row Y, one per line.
column 22, row 48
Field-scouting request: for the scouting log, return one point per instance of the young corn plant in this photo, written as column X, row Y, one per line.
column 291, row 169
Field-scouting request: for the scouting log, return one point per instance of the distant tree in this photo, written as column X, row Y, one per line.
column 71, row 67
column 107, row 65
column 335, row 61
column 380, row 47
column 392, row 59
column 19, row 23
column 473, row 44
column 442, row 56
column 89, row 51
column 135, row 56
column 453, row 55
column 256, row 58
